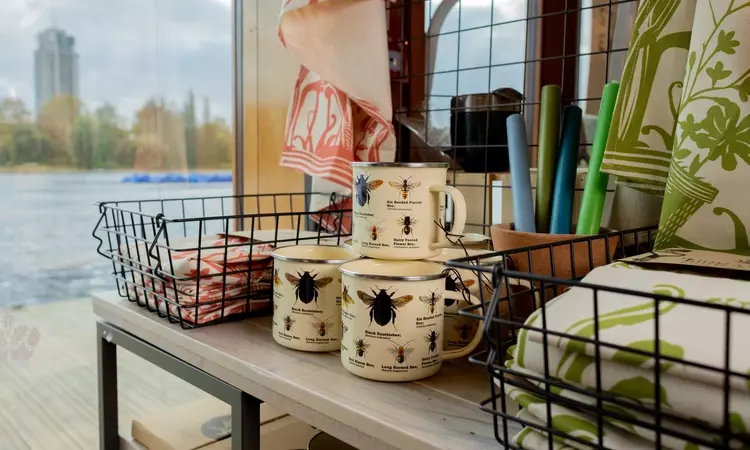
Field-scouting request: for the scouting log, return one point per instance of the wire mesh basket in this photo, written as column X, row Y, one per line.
column 205, row 260
column 580, row 388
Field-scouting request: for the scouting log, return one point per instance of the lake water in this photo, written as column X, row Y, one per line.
column 47, row 252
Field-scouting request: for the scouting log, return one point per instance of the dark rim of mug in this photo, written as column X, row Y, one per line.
column 358, row 274
column 395, row 164
column 276, row 255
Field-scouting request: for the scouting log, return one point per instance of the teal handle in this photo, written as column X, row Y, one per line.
column 595, row 190
column 549, row 132
column 565, row 178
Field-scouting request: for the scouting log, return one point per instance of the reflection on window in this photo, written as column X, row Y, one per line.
column 478, row 46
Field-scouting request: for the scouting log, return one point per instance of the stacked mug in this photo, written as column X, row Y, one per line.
column 383, row 302
column 395, row 299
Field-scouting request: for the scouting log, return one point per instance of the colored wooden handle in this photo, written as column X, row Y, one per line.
column 520, row 178
column 549, row 131
column 565, row 177
column 595, row 190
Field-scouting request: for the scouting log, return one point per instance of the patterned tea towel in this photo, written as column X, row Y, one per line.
column 681, row 126
column 639, row 146
column 710, row 167
column 220, row 255
column 341, row 107
column 687, row 332
column 228, row 267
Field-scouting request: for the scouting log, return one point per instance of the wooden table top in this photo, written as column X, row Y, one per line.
column 440, row 412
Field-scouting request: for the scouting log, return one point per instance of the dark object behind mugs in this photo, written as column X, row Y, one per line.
column 479, row 137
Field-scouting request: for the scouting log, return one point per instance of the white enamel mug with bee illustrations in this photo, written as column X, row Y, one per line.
column 397, row 208
column 393, row 314
column 307, row 296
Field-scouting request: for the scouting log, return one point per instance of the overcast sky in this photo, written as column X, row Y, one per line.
column 133, row 50
column 130, row 50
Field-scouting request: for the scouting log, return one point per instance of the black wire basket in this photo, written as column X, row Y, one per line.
column 205, row 260
column 537, row 405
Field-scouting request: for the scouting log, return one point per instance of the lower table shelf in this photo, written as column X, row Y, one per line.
column 440, row 412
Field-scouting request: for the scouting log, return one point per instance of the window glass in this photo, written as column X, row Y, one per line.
column 91, row 92
column 478, row 46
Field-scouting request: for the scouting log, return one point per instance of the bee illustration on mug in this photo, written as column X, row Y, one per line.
column 363, row 186
column 306, row 286
column 323, row 327
column 400, row 352
column 404, row 186
column 375, row 230
column 431, row 300
column 407, row 225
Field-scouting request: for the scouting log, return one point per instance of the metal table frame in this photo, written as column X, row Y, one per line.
column 245, row 408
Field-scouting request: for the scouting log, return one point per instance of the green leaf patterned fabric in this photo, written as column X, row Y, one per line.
column 640, row 141
column 686, row 332
column 681, row 125
column 710, row 163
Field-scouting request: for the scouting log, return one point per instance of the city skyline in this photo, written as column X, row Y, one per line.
column 128, row 53
column 55, row 67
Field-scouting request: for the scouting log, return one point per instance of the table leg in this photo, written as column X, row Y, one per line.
column 109, row 437
column 245, row 422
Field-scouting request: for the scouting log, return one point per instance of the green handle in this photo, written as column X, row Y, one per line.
column 595, row 190
column 549, row 133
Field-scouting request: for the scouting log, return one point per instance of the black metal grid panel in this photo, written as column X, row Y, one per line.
column 547, row 270
column 233, row 273
column 479, row 46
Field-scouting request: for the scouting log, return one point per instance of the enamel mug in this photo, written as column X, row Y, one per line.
column 307, row 296
column 392, row 315
column 397, row 208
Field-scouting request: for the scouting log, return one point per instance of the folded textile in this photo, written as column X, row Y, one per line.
column 572, row 423
column 340, row 110
column 531, row 439
column 704, row 402
column 628, row 321
column 219, row 254
column 200, row 314
column 191, row 293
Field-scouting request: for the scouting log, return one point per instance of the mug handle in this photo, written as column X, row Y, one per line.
column 459, row 214
column 461, row 352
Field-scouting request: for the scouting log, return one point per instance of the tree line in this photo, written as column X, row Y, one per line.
column 65, row 134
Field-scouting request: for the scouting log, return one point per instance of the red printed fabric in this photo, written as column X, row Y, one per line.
column 326, row 130
column 340, row 110
column 202, row 314
column 225, row 267
column 189, row 293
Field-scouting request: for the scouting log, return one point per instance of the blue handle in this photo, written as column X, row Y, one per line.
column 518, row 155
column 565, row 178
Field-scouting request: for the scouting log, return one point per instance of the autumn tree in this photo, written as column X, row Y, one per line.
column 57, row 120
column 160, row 138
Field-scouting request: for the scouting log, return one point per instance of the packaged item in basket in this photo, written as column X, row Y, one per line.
column 214, row 253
